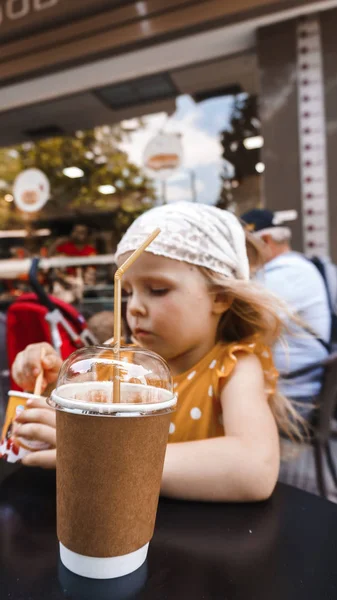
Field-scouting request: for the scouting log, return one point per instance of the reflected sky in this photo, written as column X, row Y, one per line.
column 200, row 125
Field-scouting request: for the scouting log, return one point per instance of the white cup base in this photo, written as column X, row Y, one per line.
column 103, row 568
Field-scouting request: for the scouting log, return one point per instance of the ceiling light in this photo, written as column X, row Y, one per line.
column 23, row 233
column 42, row 232
column 27, row 146
column 260, row 167
column 107, row 189
column 73, row 172
column 251, row 143
column 255, row 122
column 101, row 160
column 9, row 198
column 119, row 183
column 130, row 124
column 13, row 233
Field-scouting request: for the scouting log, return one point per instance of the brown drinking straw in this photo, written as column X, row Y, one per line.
column 39, row 379
column 118, row 306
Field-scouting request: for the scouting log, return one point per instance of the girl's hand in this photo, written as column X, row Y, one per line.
column 38, row 423
column 28, row 365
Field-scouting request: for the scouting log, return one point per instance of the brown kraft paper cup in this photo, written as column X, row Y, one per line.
column 109, row 470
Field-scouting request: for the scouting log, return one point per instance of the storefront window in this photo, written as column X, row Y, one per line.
column 99, row 183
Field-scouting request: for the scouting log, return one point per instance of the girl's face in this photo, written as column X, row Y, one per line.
column 169, row 308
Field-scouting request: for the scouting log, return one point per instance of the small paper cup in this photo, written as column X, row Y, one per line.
column 14, row 449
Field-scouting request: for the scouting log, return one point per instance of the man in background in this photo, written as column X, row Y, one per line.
column 297, row 281
column 78, row 243
column 68, row 284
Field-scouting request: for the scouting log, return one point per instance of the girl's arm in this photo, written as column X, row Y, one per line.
column 37, row 421
column 243, row 465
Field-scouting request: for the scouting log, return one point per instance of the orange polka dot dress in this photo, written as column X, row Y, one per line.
column 198, row 415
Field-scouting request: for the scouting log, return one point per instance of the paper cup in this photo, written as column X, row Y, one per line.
column 121, row 588
column 109, row 466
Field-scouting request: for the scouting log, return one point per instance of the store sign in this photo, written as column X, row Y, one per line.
column 33, row 16
column 163, row 155
column 13, row 10
column 31, row 190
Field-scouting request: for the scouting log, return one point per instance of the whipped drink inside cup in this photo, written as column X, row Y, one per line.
column 110, row 458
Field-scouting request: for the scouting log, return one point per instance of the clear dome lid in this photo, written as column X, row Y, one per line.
column 87, row 378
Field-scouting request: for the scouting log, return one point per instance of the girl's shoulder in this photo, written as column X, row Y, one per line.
column 219, row 364
column 230, row 354
column 199, row 414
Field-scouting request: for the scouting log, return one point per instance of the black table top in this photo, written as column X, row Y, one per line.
column 283, row 549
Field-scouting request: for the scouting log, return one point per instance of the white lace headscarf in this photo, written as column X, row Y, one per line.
column 198, row 234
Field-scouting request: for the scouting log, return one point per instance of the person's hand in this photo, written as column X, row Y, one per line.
column 28, row 365
column 37, row 423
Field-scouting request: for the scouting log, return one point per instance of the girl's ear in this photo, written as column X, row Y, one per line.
column 221, row 303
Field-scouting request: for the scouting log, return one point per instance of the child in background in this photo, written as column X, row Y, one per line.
column 101, row 325
column 191, row 301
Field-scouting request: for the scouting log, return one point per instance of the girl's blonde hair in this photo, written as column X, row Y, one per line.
column 255, row 312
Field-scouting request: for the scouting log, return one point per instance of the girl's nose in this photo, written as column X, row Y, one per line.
column 135, row 305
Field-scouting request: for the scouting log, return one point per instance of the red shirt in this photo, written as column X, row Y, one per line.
column 70, row 249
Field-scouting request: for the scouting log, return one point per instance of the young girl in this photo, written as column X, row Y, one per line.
column 191, row 301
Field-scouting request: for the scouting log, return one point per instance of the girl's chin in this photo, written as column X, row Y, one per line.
column 148, row 343
column 139, row 341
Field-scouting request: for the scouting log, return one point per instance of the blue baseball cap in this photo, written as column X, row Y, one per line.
column 258, row 219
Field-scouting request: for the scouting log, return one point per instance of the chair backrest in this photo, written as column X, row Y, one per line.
column 327, row 400
column 27, row 324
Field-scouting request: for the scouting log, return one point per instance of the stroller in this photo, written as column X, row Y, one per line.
column 38, row 317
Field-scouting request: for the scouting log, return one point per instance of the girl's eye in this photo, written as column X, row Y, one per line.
column 159, row 291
